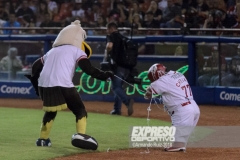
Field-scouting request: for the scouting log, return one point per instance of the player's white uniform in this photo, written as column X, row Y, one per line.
column 59, row 66
column 177, row 99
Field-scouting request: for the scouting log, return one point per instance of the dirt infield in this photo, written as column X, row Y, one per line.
column 210, row 116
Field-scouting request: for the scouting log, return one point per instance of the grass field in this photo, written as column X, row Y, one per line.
column 19, row 129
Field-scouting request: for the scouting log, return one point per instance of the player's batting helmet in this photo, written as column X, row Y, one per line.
column 155, row 71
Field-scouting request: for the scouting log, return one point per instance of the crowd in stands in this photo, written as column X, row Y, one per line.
column 126, row 13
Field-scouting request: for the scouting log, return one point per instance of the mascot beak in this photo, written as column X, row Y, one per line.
column 87, row 49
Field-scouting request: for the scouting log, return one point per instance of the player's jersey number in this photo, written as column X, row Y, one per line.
column 187, row 90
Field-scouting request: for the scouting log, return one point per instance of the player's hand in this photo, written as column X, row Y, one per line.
column 148, row 93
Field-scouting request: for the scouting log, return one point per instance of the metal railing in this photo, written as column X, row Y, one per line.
column 126, row 29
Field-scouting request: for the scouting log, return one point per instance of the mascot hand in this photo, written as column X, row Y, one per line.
column 109, row 74
column 105, row 75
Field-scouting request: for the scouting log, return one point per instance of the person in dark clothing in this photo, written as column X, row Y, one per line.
column 233, row 78
column 47, row 23
column 211, row 69
column 25, row 14
column 172, row 17
column 113, row 48
column 119, row 14
column 150, row 22
column 3, row 14
column 157, row 13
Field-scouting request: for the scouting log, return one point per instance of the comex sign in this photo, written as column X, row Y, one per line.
column 229, row 96
column 15, row 90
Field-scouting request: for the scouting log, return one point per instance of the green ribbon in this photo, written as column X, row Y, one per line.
column 183, row 69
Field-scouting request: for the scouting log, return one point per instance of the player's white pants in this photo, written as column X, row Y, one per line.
column 185, row 119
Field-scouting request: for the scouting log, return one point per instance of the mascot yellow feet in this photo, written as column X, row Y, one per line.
column 44, row 141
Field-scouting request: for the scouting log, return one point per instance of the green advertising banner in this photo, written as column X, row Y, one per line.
column 85, row 84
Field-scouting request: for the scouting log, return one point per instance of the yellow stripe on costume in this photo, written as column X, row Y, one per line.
column 81, row 125
column 55, row 108
column 45, row 130
column 87, row 49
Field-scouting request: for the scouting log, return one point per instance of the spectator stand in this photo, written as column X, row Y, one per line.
column 62, row 14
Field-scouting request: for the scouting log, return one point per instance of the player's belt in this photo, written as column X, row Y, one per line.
column 186, row 103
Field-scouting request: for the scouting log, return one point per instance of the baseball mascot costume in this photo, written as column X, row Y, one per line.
column 52, row 79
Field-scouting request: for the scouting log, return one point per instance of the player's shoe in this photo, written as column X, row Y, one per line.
column 130, row 107
column 114, row 112
column 43, row 142
column 175, row 149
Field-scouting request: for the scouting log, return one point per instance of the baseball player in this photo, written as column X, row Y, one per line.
column 178, row 101
column 52, row 79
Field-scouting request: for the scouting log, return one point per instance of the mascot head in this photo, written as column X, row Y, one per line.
column 73, row 34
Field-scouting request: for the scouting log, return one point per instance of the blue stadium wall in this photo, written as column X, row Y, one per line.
column 93, row 90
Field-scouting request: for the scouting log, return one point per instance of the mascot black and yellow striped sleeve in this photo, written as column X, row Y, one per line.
column 36, row 70
column 87, row 67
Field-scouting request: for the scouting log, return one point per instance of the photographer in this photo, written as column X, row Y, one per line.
column 114, row 48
